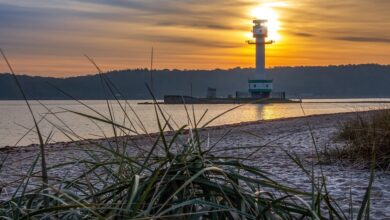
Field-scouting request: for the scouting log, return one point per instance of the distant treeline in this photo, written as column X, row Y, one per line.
column 346, row 81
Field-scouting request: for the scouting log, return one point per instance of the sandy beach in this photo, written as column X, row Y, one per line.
column 264, row 141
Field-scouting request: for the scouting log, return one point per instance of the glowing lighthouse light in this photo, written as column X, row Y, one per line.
column 266, row 12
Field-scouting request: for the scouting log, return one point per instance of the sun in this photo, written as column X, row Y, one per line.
column 267, row 12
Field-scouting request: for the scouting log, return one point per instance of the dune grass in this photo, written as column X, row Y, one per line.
column 363, row 135
column 177, row 176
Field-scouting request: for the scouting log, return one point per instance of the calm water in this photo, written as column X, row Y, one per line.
column 15, row 120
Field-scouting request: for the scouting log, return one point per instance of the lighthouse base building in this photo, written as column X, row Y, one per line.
column 260, row 88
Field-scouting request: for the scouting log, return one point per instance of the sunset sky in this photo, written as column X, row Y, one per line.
column 49, row 37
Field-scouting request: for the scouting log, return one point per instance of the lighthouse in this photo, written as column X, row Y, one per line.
column 259, row 85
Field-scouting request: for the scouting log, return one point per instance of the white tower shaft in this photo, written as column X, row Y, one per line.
column 260, row 58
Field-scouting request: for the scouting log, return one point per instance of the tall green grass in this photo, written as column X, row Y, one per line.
column 171, row 175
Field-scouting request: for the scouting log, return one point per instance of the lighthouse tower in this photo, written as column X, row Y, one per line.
column 259, row 85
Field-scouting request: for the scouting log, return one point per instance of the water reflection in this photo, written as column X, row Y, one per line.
column 269, row 112
column 14, row 114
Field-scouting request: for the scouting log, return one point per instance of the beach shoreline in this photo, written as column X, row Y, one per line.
column 9, row 148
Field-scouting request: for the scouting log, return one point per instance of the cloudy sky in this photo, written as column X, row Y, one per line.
column 49, row 37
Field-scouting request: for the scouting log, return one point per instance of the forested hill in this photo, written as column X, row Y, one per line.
column 347, row 81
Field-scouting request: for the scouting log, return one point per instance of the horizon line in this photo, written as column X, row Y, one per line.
column 189, row 70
